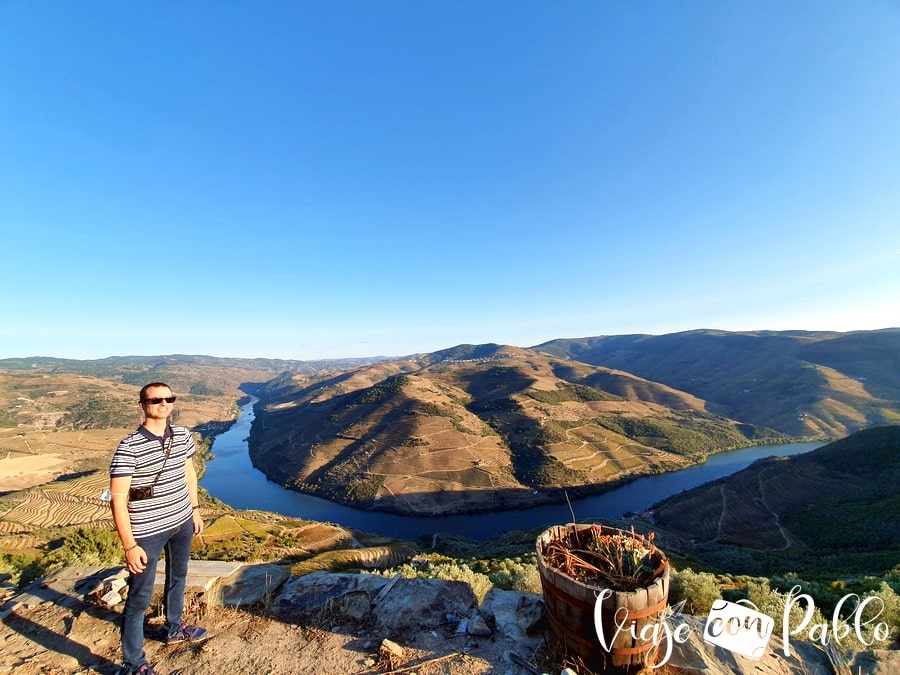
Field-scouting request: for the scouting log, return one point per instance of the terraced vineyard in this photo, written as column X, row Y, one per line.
column 798, row 382
column 600, row 453
column 63, row 503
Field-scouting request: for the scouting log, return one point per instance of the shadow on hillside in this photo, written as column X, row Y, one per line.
column 76, row 475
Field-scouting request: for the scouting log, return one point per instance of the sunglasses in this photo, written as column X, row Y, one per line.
column 156, row 400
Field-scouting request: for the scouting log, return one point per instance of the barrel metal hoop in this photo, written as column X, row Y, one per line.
column 631, row 651
column 643, row 613
column 565, row 633
column 569, row 598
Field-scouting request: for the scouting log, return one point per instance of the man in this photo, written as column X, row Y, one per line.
column 154, row 504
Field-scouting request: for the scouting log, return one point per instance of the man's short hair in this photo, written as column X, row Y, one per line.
column 146, row 387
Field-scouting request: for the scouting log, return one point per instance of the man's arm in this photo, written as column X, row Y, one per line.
column 135, row 557
column 190, row 473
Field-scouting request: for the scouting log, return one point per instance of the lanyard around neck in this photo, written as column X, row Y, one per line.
column 165, row 459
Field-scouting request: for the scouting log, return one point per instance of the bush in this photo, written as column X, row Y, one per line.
column 514, row 576
column 86, row 547
column 698, row 590
column 767, row 601
column 22, row 569
column 449, row 571
column 772, row 603
column 889, row 611
column 461, row 572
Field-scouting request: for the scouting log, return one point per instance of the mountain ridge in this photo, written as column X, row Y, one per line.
column 799, row 382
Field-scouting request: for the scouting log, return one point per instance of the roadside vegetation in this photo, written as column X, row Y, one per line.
column 699, row 590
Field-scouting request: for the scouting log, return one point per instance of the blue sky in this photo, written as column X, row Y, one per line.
column 329, row 179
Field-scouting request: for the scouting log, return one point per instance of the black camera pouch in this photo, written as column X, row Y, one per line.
column 136, row 494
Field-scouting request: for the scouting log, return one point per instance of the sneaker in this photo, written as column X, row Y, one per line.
column 187, row 634
column 143, row 670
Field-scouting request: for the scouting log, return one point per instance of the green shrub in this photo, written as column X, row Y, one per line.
column 887, row 611
column 767, row 601
column 21, row 568
column 86, row 547
column 450, row 571
column 698, row 590
column 480, row 583
column 511, row 575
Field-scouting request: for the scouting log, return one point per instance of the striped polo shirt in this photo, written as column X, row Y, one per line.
column 141, row 455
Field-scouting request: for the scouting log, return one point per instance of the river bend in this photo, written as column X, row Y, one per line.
column 232, row 478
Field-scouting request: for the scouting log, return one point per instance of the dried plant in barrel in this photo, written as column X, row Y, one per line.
column 576, row 563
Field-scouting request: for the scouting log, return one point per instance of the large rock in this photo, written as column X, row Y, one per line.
column 404, row 608
column 414, row 604
column 398, row 605
column 697, row 655
column 252, row 583
column 518, row 616
column 316, row 592
column 875, row 662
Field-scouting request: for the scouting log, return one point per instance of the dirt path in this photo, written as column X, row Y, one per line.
column 788, row 539
column 719, row 531
column 776, row 518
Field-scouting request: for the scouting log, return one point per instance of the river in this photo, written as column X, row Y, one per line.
column 232, row 478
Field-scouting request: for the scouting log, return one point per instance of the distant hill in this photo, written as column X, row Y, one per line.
column 197, row 375
column 483, row 427
column 478, row 427
column 800, row 383
column 839, row 502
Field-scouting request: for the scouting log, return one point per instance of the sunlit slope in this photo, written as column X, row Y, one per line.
column 800, row 383
column 476, row 427
column 188, row 375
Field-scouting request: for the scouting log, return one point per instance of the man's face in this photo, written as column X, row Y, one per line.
column 160, row 410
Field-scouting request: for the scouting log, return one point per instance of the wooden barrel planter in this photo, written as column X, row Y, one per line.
column 570, row 608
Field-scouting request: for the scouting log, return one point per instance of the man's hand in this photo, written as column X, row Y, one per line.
column 198, row 523
column 136, row 560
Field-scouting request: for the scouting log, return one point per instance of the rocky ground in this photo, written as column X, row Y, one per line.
column 318, row 623
column 49, row 640
column 347, row 623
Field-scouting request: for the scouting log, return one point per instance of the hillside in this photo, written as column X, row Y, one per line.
column 837, row 505
column 477, row 427
column 198, row 375
column 800, row 383
column 61, row 416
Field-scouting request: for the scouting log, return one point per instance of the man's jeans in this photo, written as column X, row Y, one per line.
column 177, row 544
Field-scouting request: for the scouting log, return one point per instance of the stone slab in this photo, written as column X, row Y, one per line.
column 203, row 576
column 252, row 584
column 66, row 587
